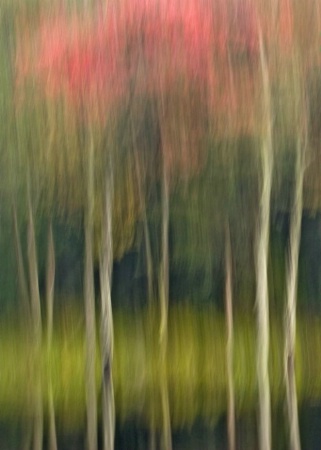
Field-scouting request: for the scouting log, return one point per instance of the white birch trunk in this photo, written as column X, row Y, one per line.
column 262, row 249
column 50, row 282
column 90, row 321
column 164, row 293
column 292, row 265
column 230, row 341
column 291, row 302
column 107, row 327
column 149, row 266
column 22, row 281
column 36, row 329
column 141, row 195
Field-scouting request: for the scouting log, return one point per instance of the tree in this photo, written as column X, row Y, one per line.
column 262, row 301
column 297, row 106
column 76, row 72
column 184, row 58
column 292, row 273
column 50, row 282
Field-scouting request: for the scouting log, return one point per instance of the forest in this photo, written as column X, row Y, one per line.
column 160, row 224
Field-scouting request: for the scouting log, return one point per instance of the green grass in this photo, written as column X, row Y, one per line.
column 196, row 370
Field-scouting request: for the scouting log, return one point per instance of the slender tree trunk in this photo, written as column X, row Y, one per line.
column 230, row 340
column 141, row 195
column 36, row 329
column 33, row 277
column 22, row 281
column 91, row 396
column 149, row 266
column 262, row 246
column 164, row 294
column 291, row 300
column 229, row 295
column 149, row 261
column 107, row 327
column 50, row 282
column 150, row 293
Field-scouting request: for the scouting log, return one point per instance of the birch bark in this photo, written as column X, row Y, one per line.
column 107, row 326
column 262, row 246
column 90, row 321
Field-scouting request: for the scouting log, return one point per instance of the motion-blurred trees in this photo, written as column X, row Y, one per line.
column 177, row 116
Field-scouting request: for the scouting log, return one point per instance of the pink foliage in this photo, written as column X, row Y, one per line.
column 151, row 45
column 286, row 25
column 244, row 27
column 163, row 40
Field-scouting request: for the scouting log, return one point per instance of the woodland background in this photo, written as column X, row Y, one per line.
column 160, row 227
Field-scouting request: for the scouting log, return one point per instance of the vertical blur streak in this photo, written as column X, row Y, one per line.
column 292, row 274
column 229, row 345
column 290, row 313
column 262, row 245
column 22, row 281
column 229, row 301
column 50, row 282
column 163, row 293
column 37, row 329
column 33, row 276
column 141, row 188
column 91, row 399
column 107, row 327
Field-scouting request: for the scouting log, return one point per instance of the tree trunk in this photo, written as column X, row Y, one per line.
column 50, row 282
column 107, row 328
column 91, row 398
column 22, row 281
column 262, row 247
column 149, row 266
column 36, row 329
column 142, row 201
column 33, row 277
column 291, row 300
column 164, row 293
column 149, row 262
column 230, row 341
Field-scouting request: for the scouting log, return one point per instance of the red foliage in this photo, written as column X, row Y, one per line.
column 150, row 46
column 165, row 40
column 286, row 25
column 244, row 23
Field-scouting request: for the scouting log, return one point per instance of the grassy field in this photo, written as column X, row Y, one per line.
column 196, row 370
